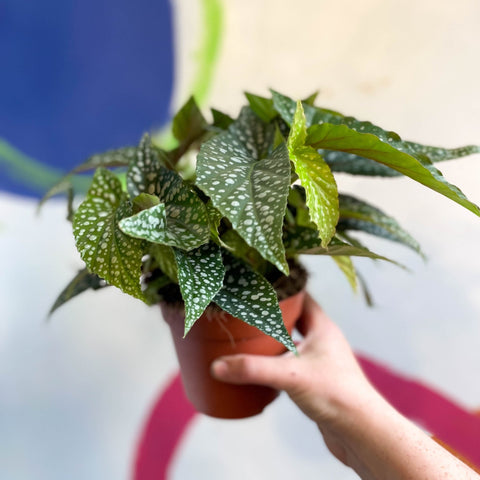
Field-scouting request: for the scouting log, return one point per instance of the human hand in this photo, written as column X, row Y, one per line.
column 323, row 380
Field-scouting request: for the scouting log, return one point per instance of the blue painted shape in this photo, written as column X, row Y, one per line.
column 81, row 76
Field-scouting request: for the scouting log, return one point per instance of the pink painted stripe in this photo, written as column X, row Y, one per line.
column 167, row 423
column 447, row 421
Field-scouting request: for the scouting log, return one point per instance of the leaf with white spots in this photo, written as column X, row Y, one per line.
column 247, row 188
column 316, row 178
column 147, row 173
column 248, row 296
column 200, row 277
column 83, row 281
column 176, row 225
column 356, row 214
column 104, row 248
column 367, row 140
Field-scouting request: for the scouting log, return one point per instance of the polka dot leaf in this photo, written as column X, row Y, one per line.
column 316, row 178
column 248, row 296
column 175, row 224
column 200, row 277
column 104, row 248
column 356, row 214
column 147, row 173
column 248, row 184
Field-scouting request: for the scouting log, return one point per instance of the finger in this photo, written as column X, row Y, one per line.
column 275, row 372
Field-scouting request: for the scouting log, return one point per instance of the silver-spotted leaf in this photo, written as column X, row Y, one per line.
column 104, row 248
column 355, row 214
column 367, row 140
column 316, row 178
column 248, row 189
column 200, row 277
column 176, row 225
column 248, row 296
column 147, row 173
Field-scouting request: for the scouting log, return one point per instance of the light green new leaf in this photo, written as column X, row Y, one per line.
column 316, row 177
column 251, row 191
column 189, row 122
column 248, row 296
column 356, row 165
column 346, row 266
column 177, row 225
column 82, row 282
column 356, row 214
column 200, row 277
column 104, row 248
column 348, row 139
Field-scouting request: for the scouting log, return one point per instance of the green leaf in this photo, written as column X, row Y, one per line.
column 104, row 248
column 250, row 297
column 287, row 107
column 356, row 165
column 179, row 225
column 147, row 173
column 316, row 177
column 366, row 143
column 189, row 123
column 82, row 282
column 235, row 244
column 301, row 240
column 200, row 277
column 119, row 157
column 251, row 191
column 144, row 201
column 346, row 266
column 310, row 100
column 165, row 258
column 221, row 120
column 262, row 107
column 356, row 214
column 438, row 154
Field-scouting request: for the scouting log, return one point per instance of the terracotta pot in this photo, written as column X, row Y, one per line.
column 217, row 333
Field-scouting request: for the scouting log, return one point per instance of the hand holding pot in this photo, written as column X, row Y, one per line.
column 359, row 427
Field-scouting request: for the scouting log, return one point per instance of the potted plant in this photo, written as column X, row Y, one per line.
column 215, row 239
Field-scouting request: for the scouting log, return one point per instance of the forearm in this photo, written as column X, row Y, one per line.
column 378, row 443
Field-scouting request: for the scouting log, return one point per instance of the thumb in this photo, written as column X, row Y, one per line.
column 272, row 372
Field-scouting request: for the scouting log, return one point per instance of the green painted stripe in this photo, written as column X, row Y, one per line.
column 31, row 173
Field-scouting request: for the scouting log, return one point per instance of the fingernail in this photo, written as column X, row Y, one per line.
column 219, row 368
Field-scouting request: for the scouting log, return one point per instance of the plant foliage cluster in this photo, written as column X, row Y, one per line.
column 263, row 192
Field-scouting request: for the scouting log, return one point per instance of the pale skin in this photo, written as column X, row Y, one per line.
column 359, row 427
